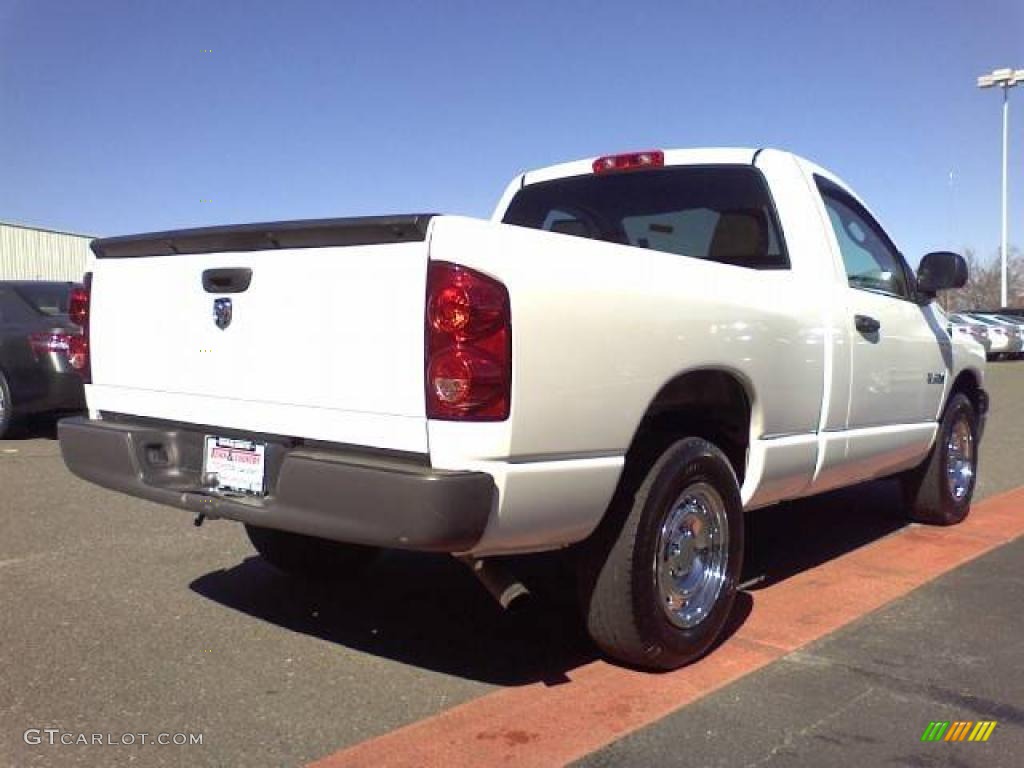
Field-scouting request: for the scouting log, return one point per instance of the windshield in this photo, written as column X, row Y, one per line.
column 49, row 298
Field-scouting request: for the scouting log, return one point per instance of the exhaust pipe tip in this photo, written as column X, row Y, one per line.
column 506, row 589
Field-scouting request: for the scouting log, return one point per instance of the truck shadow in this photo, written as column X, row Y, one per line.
column 37, row 426
column 424, row 610
column 428, row 611
column 790, row 538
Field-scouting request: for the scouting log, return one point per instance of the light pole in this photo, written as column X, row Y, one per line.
column 1005, row 79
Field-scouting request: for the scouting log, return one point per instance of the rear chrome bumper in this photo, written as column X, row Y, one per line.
column 336, row 493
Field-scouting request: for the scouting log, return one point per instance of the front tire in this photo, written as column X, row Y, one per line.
column 308, row 557
column 659, row 575
column 939, row 491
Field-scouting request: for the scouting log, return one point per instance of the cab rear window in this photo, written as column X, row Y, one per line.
column 717, row 213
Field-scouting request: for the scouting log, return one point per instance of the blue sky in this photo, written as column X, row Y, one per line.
column 114, row 119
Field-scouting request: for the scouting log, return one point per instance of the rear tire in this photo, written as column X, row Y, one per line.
column 6, row 407
column 939, row 491
column 308, row 557
column 658, row 578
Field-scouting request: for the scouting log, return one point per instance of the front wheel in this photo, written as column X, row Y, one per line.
column 308, row 557
column 659, row 576
column 939, row 491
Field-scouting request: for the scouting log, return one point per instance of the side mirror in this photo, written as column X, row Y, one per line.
column 940, row 271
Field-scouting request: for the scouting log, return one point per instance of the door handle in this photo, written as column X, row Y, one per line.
column 228, row 280
column 866, row 324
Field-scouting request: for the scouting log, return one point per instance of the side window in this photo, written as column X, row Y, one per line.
column 871, row 260
column 567, row 223
column 684, row 232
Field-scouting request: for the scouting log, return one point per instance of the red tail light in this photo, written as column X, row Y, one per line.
column 78, row 303
column 468, row 345
column 78, row 311
column 631, row 161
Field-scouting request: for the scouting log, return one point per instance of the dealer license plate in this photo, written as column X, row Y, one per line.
column 238, row 464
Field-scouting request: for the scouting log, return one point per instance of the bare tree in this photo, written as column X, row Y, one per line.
column 983, row 286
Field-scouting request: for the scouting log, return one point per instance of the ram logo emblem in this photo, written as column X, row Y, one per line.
column 222, row 313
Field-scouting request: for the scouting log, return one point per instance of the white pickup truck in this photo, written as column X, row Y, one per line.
column 632, row 352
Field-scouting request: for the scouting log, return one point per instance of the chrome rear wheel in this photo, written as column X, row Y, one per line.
column 692, row 552
column 659, row 576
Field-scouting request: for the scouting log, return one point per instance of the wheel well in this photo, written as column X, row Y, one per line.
column 711, row 404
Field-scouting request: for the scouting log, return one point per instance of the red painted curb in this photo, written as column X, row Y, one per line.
column 538, row 725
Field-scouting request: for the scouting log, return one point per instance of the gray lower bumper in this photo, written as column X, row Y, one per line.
column 372, row 499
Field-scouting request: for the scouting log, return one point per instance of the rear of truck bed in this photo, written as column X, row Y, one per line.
column 256, row 372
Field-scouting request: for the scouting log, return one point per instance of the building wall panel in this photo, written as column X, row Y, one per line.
column 37, row 254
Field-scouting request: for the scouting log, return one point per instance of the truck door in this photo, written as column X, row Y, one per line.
column 899, row 353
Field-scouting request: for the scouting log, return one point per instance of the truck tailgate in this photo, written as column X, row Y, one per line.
column 325, row 342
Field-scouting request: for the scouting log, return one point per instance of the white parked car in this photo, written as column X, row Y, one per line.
column 970, row 330
column 998, row 339
column 1017, row 321
column 635, row 350
column 1006, row 337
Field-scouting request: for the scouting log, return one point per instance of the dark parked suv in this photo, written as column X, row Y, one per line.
column 42, row 349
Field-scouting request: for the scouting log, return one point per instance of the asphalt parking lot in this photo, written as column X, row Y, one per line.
column 120, row 618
